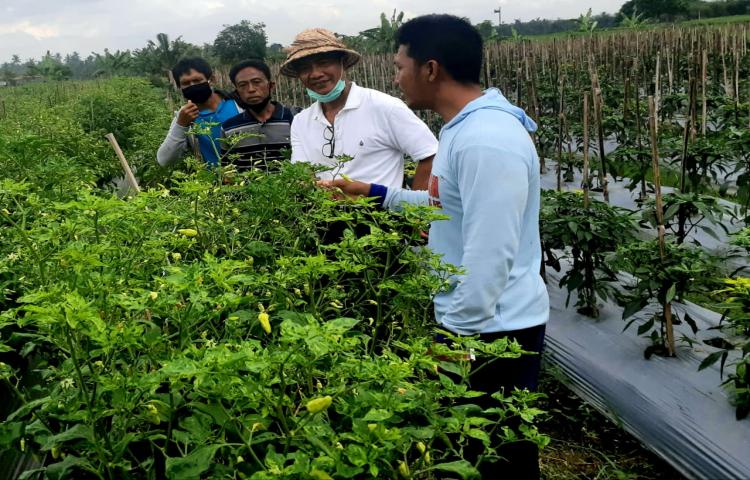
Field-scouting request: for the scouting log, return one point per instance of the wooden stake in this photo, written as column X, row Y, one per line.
column 625, row 102
column 125, row 165
column 660, row 217
column 603, row 182
column 704, row 68
column 638, row 137
column 586, row 149
column 686, row 136
column 561, row 130
column 657, row 89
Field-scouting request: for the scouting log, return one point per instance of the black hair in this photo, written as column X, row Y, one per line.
column 252, row 63
column 449, row 40
column 191, row 63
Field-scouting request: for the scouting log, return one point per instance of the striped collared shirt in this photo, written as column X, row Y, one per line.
column 260, row 144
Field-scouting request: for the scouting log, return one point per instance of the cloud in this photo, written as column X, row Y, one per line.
column 92, row 25
column 40, row 31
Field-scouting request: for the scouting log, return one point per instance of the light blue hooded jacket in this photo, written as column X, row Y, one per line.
column 485, row 177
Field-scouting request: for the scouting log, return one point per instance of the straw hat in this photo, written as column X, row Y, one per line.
column 314, row 41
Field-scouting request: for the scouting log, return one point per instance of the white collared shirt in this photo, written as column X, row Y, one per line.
column 374, row 128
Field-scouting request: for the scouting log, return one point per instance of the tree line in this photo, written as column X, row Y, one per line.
column 232, row 44
column 249, row 40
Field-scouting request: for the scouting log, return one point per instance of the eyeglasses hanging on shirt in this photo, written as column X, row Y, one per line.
column 330, row 144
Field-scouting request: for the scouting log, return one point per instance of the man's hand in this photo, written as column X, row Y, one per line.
column 187, row 114
column 350, row 188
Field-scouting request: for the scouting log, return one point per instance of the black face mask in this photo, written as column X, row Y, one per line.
column 257, row 108
column 198, row 93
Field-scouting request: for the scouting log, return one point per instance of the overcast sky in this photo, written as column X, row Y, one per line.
column 31, row 27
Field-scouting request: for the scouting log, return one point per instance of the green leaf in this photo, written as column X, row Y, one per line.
column 671, row 293
column 633, row 307
column 690, row 321
column 77, row 432
column 192, row 465
column 529, row 414
column 60, row 470
column 452, row 367
column 479, row 435
column 646, row 326
column 719, row 342
column 671, row 211
column 28, row 407
column 709, row 231
column 710, row 360
column 31, row 473
column 377, row 415
column 356, row 454
column 340, row 325
column 10, row 432
column 460, row 467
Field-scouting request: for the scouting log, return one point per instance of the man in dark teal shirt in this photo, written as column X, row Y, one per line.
column 257, row 137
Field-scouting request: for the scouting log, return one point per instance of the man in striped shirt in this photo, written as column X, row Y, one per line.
column 257, row 137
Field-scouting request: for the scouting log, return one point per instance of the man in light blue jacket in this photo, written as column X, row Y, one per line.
column 485, row 177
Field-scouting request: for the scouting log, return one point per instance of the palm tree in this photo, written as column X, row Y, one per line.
column 113, row 64
column 633, row 21
column 160, row 56
column 381, row 38
column 7, row 75
column 49, row 68
column 586, row 23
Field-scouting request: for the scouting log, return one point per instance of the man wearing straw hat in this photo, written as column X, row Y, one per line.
column 373, row 128
column 486, row 181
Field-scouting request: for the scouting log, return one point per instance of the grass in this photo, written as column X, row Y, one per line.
column 717, row 20
column 687, row 23
column 587, row 445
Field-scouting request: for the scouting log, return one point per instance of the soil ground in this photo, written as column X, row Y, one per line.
column 587, row 445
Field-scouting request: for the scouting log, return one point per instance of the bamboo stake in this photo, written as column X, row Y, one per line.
column 586, row 150
column 638, row 136
column 704, row 68
column 727, row 87
column 625, row 102
column 736, row 82
column 660, row 217
column 125, row 165
column 561, row 118
column 603, row 182
column 487, row 71
column 670, row 70
column 657, row 89
column 686, row 137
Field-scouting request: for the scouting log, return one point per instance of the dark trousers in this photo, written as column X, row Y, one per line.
column 520, row 460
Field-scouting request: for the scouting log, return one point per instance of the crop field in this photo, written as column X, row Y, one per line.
column 615, row 110
column 226, row 325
